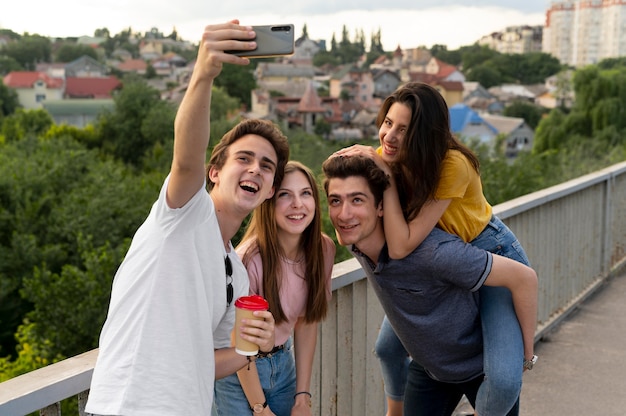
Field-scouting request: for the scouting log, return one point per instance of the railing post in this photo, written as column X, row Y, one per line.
column 82, row 402
column 52, row 410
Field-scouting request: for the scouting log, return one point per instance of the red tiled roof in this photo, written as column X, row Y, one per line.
column 91, row 87
column 445, row 69
column 451, row 85
column 27, row 79
column 133, row 65
column 310, row 101
column 423, row 77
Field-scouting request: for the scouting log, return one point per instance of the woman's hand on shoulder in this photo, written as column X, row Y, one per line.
column 366, row 151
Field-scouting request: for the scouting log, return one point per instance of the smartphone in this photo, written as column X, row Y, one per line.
column 271, row 40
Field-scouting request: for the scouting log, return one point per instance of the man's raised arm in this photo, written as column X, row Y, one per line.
column 192, row 125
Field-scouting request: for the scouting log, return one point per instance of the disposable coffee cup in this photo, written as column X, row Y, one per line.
column 244, row 307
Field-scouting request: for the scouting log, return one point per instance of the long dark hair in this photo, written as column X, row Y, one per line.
column 428, row 139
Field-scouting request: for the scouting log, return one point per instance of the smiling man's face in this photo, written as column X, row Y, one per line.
column 353, row 210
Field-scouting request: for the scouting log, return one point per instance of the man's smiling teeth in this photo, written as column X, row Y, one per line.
column 249, row 186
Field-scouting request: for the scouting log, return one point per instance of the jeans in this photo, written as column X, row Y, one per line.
column 502, row 337
column 428, row 397
column 278, row 380
column 394, row 361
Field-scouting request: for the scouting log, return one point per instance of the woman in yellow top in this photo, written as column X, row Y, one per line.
column 436, row 183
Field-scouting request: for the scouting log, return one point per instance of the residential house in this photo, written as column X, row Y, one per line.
column 468, row 125
column 54, row 69
column 33, row 88
column 122, row 54
column 561, row 90
column 310, row 108
column 474, row 89
column 353, row 84
column 444, row 71
column 385, row 82
column 480, row 99
column 87, row 87
column 167, row 64
column 508, row 93
column 519, row 136
column 548, row 99
column 305, row 49
column 93, row 41
column 306, row 110
column 446, row 78
column 137, row 66
column 85, row 66
column 365, row 121
column 452, row 91
column 150, row 49
column 77, row 112
column 393, row 63
column 288, row 79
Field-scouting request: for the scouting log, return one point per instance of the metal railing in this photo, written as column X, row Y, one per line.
column 574, row 234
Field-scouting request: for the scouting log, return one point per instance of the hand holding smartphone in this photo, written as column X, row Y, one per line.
column 271, row 40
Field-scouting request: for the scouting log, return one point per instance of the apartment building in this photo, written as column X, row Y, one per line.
column 583, row 32
column 515, row 39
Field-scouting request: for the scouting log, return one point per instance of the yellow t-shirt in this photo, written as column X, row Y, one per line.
column 469, row 212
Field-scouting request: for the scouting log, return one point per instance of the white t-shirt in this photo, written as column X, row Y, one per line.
column 167, row 315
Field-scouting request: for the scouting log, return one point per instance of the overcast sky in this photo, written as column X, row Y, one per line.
column 408, row 23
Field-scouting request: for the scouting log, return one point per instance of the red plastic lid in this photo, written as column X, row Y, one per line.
column 252, row 302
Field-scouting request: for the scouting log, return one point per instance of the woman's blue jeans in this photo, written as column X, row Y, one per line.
column 278, row 380
column 502, row 338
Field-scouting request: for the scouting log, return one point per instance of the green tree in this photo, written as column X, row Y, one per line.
column 485, row 76
column 8, row 64
column 531, row 113
column 238, row 82
column 323, row 58
column 121, row 131
column 475, row 55
column 29, row 50
column 8, row 101
column 150, row 72
column 65, row 215
column 25, row 122
column 102, row 33
column 441, row 52
column 69, row 52
column 550, row 134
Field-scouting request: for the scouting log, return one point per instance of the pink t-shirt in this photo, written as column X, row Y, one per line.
column 293, row 291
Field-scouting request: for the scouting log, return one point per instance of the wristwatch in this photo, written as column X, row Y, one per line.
column 528, row 364
column 258, row 408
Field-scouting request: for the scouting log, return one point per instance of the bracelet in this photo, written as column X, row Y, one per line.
column 302, row 392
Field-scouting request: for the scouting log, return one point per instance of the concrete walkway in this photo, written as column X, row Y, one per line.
column 582, row 362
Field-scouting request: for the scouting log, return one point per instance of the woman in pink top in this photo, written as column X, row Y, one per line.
column 289, row 262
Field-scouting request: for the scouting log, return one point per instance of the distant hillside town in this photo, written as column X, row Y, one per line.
column 343, row 98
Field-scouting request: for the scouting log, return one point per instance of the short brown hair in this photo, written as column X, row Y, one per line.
column 263, row 128
column 344, row 167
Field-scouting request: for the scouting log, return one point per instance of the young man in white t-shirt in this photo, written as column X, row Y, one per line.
column 167, row 333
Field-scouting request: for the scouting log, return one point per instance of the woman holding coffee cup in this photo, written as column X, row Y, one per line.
column 289, row 262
